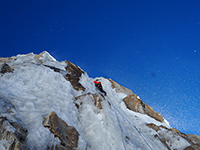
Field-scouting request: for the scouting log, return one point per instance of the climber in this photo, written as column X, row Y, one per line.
column 99, row 86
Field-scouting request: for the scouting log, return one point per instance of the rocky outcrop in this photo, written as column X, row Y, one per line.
column 120, row 89
column 192, row 139
column 5, row 60
column 134, row 103
column 192, row 147
column 96, row 98
column 68, row 135
column 189, row 148
column 11, row 128
column 5, row 68
column 74, row 74
column 54, row 68
column 14, row 133
column 159, row 135
column 153, row 126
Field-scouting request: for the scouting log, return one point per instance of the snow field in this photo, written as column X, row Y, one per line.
column 36, row 90
column 39, row 90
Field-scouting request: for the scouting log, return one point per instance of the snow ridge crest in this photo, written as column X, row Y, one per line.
column 33, row 86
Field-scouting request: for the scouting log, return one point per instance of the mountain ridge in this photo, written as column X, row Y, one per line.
column 42, row 79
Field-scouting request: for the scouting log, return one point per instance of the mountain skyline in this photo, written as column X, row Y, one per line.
column 150, row 47
column 50, row 104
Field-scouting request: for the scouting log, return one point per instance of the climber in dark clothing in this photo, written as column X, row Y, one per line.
column 99, row 86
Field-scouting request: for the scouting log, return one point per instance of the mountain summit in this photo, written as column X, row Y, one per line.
column 50, row 105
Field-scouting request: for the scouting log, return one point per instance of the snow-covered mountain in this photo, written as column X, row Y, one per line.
column 47, row 105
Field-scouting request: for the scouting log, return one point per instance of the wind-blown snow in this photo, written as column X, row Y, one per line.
column 36, row 90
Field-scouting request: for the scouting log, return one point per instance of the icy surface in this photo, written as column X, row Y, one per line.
column 2, row 143
column 36, row 90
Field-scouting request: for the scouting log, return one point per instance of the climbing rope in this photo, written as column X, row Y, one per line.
column 121, row 129
column 139, row 130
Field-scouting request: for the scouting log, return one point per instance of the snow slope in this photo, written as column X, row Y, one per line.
column 35, row 90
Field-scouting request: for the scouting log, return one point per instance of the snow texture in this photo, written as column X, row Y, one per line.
column 35, row 90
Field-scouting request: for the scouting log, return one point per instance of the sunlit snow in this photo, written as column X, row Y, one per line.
column 36, row 90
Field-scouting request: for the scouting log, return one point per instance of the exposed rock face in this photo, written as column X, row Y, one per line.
column 54, row 68
column 6, row 68
column 12, row 130
column 150, row 112
column 68, row 135
column 192, row 139
column 97, row 99
column 189, row 148
column 74, row 72
column 14, row 133
column 2, row 59
column 195, row 138
column 74, row 75
column 192, row 147
column 134, row 103
column 120, row 89
column 153, row 126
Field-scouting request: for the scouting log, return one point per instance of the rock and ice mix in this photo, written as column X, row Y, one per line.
column 46, row 104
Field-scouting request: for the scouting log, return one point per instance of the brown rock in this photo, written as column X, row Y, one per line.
column 194, row 138
column 180, row 133
column 190, row 138
column 16, row 135
column 74, row 75
column 68, row 135
column 153, row 126
column 53, row 68
column 190, row 148
column 97, row 98
column 17, row 146
column 134, row 103
column 12, row 130
column 5, row 60
column 120, row 89
column 163, row 140
column 163, row 127
column 60, row 147
column 150, row 112
column 159, row 136
column 81, row 96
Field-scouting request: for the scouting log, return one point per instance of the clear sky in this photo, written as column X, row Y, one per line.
column 150, row 46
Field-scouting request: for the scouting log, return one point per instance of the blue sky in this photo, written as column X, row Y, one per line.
column 151, row 47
